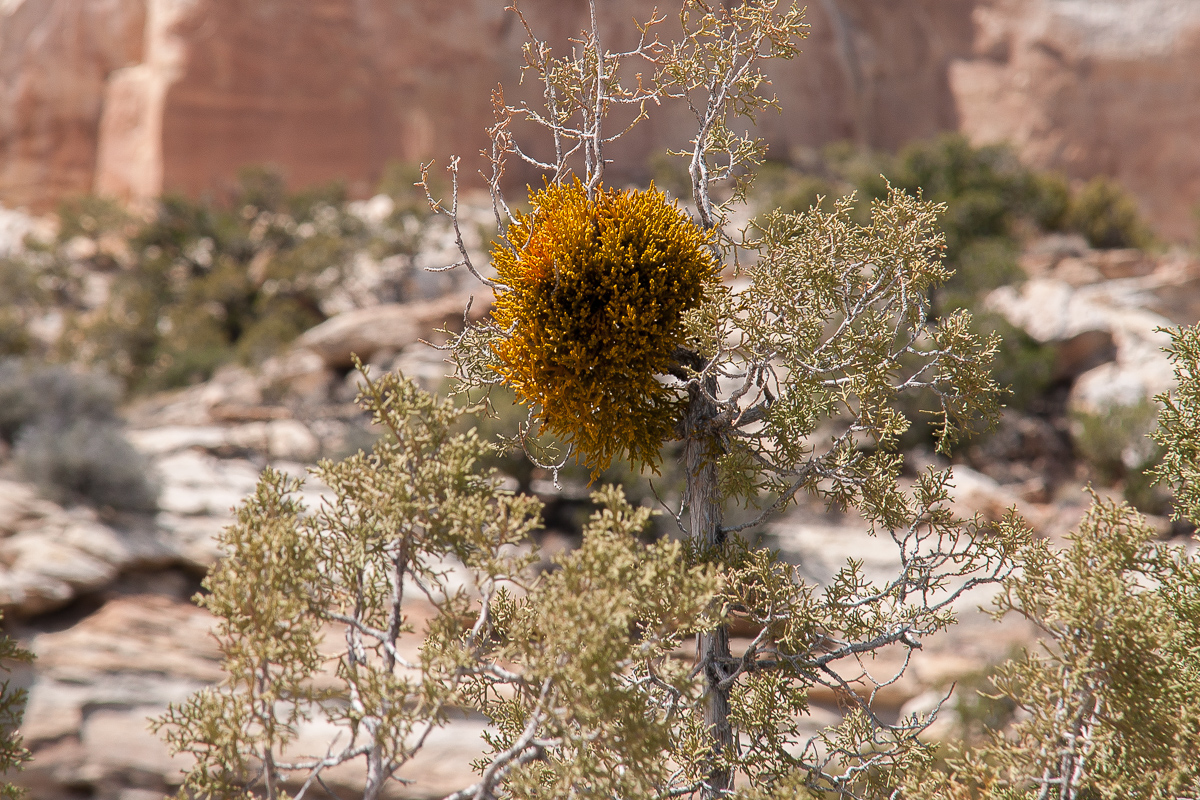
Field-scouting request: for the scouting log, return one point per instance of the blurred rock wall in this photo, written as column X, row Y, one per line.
column 136, row 97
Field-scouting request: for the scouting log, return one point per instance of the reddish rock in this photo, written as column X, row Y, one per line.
column 55, row 57
column 134, row 97
column 1093, row 87
column 177, row 95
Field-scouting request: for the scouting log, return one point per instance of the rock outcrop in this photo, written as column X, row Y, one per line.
column 56, row 58
column 1106, row 313
column 136, row 97
column 195, row 89
column 1093, row 87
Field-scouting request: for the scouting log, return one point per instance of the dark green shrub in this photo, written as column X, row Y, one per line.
column 990, row 197
column 1022, row 364
column 202, row 283
column 21, row 295
column 978, row 709
column 986, row 189
column 210, row 284
column 91, row 216
column 1048, row 200
column 794, row 191
column 261, row 188
column 983, row 264
column 1116, row 440
column 670, row 174
column 859, row 171
column 1116, row 444
column 1107, row 216
column 399, row 182
column 32, row 283
column 805, row 193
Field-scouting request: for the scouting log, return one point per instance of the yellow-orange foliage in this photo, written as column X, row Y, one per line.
column 597, row 292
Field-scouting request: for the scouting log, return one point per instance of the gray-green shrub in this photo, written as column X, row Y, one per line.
column 68, row 439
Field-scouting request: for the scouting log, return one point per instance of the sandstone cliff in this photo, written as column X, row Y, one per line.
column 1093, row 87
column 136, row 97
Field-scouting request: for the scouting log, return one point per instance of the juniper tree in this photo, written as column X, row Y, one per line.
column 13, row 754
column 1109, row 697
column 612, row 325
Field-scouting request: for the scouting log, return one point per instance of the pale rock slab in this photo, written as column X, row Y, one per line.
column 388, row 327
column 30, row 552
column 280, row 438
column 119, row 740
column 195, row 483
column 49, row 555
column 20, row 506
column 97, row 683
column 300, row 371
column 1114, row 314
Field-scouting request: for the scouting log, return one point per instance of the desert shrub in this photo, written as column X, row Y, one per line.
column 779, row 186
column 806, row 193
column 68, row 439
column 861, row 171
column 1022, row 366
column 88, row 460
column 22, row 296
column 978, row 710
column 669, row 174
column 14, row 337
column 33, row 283
column 92, row 216
column 1108, row 700
column 212, row 283
column 1107, row 216
column 990, row 199
column 1048, row 202
column 981, row 186
column 986, row 189
column 401, row 181
column 30, row 394
column 1116, row 444
column 982, row 264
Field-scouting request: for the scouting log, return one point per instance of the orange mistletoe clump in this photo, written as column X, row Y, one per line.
column 597, row 292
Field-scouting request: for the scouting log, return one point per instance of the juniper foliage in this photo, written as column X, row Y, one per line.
column 13, row 754
column 1109, row 700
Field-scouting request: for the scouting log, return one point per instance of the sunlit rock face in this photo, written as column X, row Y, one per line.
column 136, row 97
column 1093, row 87
column 56, row 57
column 335, row 89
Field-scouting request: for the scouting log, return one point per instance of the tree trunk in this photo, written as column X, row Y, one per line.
column 701, row 448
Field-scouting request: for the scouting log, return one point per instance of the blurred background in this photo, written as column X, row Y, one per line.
column 207, row 205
